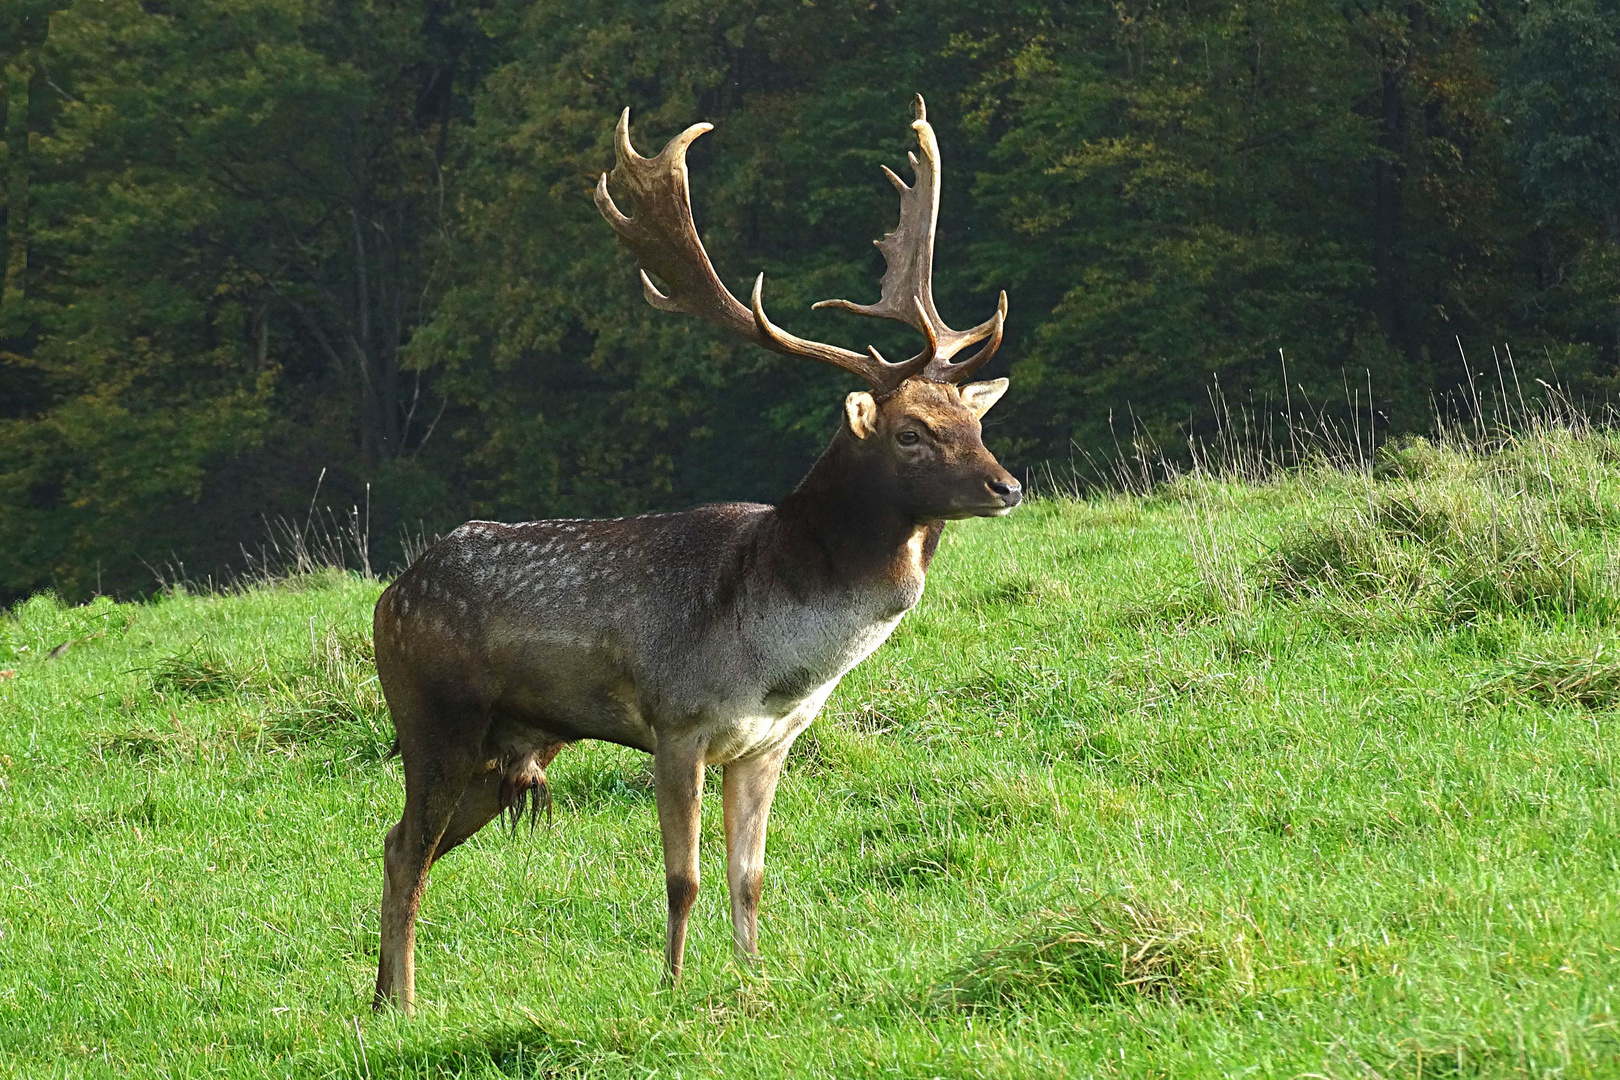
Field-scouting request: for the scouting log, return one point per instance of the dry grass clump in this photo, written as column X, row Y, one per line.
column 1410, row 457
column 1590, row 679
column 1342, row 556
column 201, row 675
column 1510, row 512
column 179, row 742
column 329, row 694
column 1457, row 545
column 1104, row 951
column 332, row 695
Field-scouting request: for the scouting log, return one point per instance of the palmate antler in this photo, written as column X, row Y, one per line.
column 666, row 244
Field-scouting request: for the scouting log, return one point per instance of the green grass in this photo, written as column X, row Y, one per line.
column 1311, row 777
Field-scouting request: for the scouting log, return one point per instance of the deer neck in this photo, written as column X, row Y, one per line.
column 845, row 527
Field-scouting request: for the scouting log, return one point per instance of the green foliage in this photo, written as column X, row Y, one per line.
column 267, row 238
column 1564, row 97
column 231, row 226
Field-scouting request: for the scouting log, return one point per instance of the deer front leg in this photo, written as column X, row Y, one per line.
column 678, row 783
column 749, row 787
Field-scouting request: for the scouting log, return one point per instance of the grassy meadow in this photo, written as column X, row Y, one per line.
column 1310, row 775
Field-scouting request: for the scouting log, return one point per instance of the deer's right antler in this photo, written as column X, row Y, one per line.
column 665, row 241
column 908, row 282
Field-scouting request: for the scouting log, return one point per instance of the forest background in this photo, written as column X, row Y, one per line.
column 251, row 240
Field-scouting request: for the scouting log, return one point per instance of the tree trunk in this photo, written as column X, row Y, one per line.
column 18, row 76
column 1387, row 261
column 379, row 307
column 1612, row 217
column 260, row 327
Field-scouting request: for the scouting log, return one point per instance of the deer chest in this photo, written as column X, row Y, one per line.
column 794, row 660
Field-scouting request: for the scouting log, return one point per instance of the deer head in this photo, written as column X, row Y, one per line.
column 917, row 424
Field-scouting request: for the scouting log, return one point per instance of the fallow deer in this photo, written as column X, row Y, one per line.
column 709, row 637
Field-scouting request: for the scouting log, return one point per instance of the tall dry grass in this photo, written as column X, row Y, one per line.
column 1509, row 505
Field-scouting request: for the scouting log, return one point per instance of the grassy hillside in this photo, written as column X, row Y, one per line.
column 1312, row 776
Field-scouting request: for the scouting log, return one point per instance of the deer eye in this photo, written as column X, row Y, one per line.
column 907, row 438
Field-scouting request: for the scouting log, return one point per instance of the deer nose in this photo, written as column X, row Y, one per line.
column 1010, row 490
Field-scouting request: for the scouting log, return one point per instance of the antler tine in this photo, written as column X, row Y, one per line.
column 664, row 239
column 947, row 371
column 907, row 294
column 883, row 375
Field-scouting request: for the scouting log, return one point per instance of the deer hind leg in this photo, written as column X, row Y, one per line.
column 678, row 782
column 433, row 792
column 502, row 787
column 480, row 803
column 749, row 787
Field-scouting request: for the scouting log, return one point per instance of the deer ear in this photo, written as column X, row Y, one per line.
column 979, row 396
column 862, row 412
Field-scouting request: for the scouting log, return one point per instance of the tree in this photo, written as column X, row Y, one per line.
column 1562, row 95
column 23, row 27
column 1218, row 181
column 258, row 238
column 313, row 135
column 579, row 397
column 235, row 217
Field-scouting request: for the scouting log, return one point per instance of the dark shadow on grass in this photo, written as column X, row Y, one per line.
column 515, row 1050
column 920, row 867
column 522, row 1051
column 1020, row 591
column 579, row 788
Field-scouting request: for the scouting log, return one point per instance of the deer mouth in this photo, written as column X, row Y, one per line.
column 995, row 509
column 1005, row 496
